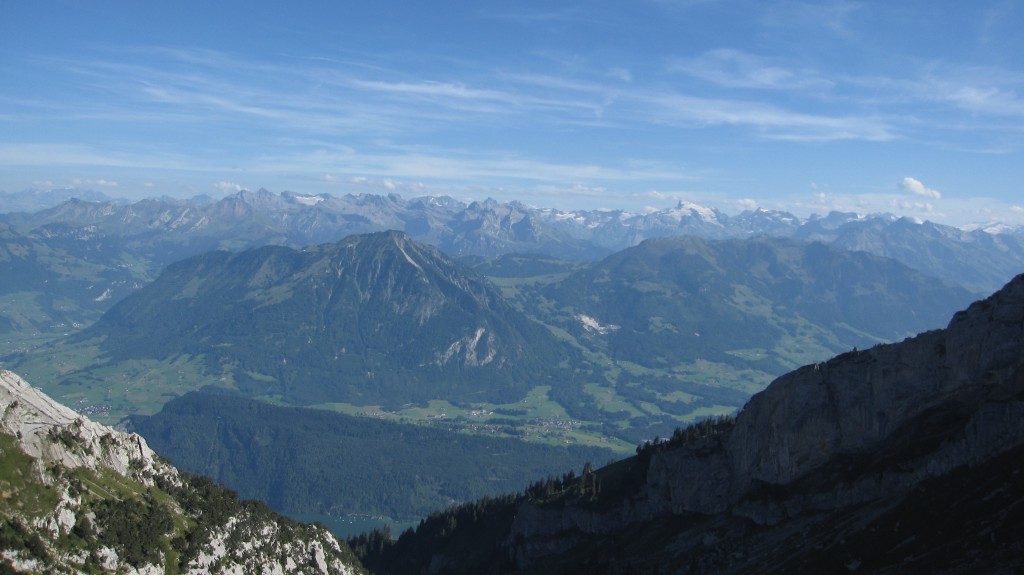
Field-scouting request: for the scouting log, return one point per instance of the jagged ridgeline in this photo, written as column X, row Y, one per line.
column 372, row 319
column 901, row 458
column 79, row 497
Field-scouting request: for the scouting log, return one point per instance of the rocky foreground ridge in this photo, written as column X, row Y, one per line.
column 902, row 458
column 79, row 496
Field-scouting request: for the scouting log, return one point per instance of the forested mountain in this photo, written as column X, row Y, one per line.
column 373, row 319
column 777, row 303
column 901, row 458
column 305, row 461
column 604, row 353
column 679, row 316
column 78, row 497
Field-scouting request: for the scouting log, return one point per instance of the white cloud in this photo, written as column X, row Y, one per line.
column 100, row 182
column 909, row 206
column 747, row 204
column 228, row 187
column 914, row 186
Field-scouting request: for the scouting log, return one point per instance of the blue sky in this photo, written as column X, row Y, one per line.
column 909, row 107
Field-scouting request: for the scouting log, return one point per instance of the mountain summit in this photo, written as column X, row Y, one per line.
column 374, row 318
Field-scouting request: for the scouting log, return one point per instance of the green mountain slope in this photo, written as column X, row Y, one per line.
column 47, row 290
column 767, row 304
column 374, row 319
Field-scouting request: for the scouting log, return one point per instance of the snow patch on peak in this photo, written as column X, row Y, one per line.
column 307, row 200
column 689, row 208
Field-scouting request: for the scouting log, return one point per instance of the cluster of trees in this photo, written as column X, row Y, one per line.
column 470, row 531
column 587, row 484
column 681, row 436
column 137, row 528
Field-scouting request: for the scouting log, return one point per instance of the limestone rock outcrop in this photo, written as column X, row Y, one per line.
column 77, row 496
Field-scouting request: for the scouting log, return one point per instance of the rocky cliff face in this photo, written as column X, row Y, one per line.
column 962, row 386
column 51, row 433
column 830, row 469
column 78, row 496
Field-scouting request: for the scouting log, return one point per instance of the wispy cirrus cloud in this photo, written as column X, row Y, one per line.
column 771, row 121
column 333, row 100
column 737, row 69
column 986, row 91
column 45, row 154
column 832, row 16
column 940, row 88
column 452, row 164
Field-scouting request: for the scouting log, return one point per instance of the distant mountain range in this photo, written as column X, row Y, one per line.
column 164, row 230
column 103, row 250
